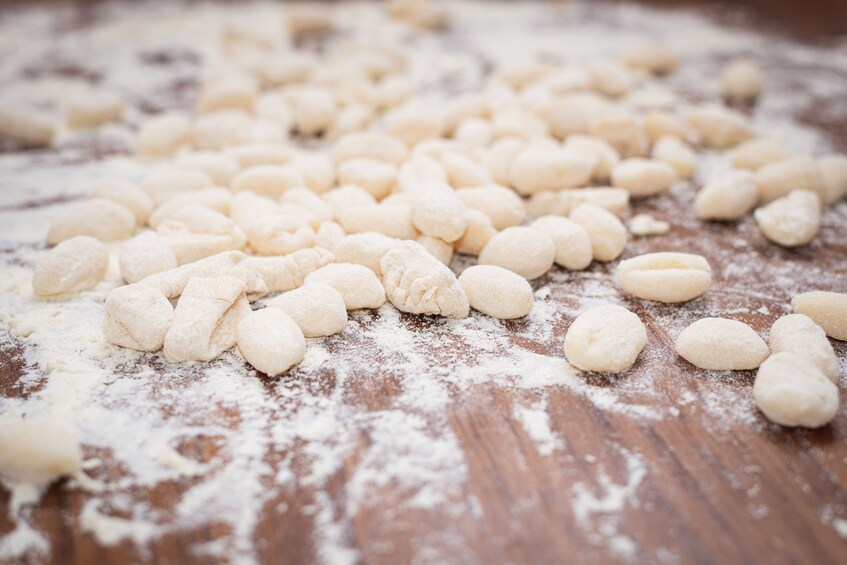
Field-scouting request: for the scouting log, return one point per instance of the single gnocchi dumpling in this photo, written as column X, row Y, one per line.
column 477, row 235
column 605, row 339
column 791, row 221
column 827, row 309
column 643, row 177
column 317, row 308
column 573, row 246
column 497, row 292
column 667, row 277
column 525, row 251
column 741, row 79
column 791, row 391
column 146, row 254
column 438, row 212
column 270, row 341
column 416, row 282
column 719, row 344
column 730, row 196
column 607, row 234
column 74, row 265
column 358, row 285
column 99, row 218
column 205, row 319
column 799, row 334
column 37, row 449
column 137, row 316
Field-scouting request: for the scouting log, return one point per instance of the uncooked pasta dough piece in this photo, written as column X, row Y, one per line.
column 329, row 235
column 393, row 220
column 741, row 80
column 99, row 218
column 164, row 185
column 370, row 145
column 438, row 212
column 317, row 308
column 539, row 167
column 280, row 234
column 720, row 127
column 645, row 224
column 665, row 276
column 235, row 263
column 438, row 248
column 502, row 205
column 791, row 221
column 268, row 180
column 205, row 319
column 270, row 341
column 833, row 176
column 573, row 246
column 730, row 196
column 497, row 292
column 214, row 198
column 606, row 156
column 93, row 108
column 607, row 234
column 220, row 167
column 281, row 274
column 827, row 309
column 358, row 285
column 605, row 339
column 720, row 344
column 643, row 177
column 25, row 127
column 196, row 232
column 74, row 265
column 525, row 251
column 146, row 254
column 416, row 282
column 622, row 132
column 377, row 177
column 799, row 334
column 162, row 135
column 137, row 316
column 677, row 153
column 757, row 153
column 792, row 391
column 650, row 56
column 365, row 249
column 126, row 194
column 37, row 449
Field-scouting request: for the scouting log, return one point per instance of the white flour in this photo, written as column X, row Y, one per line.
column 240, row 446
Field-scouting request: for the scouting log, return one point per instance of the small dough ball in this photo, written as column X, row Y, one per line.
column 730, row 196
column 540, row 167
column 650, row 56
column 665, row 276
column 357, row 284
column 37, row 449
column 720, row 127
column 163, row 135
column 377, row 177
column 791, row 391
column 791, row 221
column 25, row 127
column 317, row 308
column 573, row 246
column 270, row 341
column 676, row 153
column 438, row 248
column 146, row 254
column 605, row 339
column 438, row 212
column 780, row 178
column 643, row 177
column 607, row 234
column 827, row 309
column 756, row 153
column 138, row 317
column 365, row 249
column 74, row 265
column 720, row 344
column 100, row 218
column 497, row 292
column 477, row 235
column 205, row 318
column 799, row 334
column 525, row 251
column 416, row 282
column 741, row 80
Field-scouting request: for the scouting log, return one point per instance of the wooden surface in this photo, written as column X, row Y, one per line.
column 717, row 490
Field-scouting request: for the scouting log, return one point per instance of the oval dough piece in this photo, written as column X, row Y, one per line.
column 146, row 254
column 720, row 344
column 573, row 246
column 205, row 319
column 358, row 285
column 270, row 341
column 99, row 218
column 791, row 391
column 37, row 449
column 74, row 265
column 525, row 251
column 317, row 308
column 827, row 309
column 497, row 292
column 605, row 339
column 607, row 234
column 137, row 317
column 665, row 276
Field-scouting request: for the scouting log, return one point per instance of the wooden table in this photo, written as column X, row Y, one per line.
column 714, row 490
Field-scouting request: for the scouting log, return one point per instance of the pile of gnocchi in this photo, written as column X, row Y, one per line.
column 380, row 185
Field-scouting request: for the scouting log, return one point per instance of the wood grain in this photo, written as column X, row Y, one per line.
column 716, row 491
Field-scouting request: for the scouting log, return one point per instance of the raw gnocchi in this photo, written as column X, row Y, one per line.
column 76, row 264
column 37, row 449
column 607, row 234
column 270, row 341
column 137, row 316
column 525, row 251
column 665, row 276
column 573, row 246
column 358, row 285
column 827, row 309
column 791, row 221
column 720, row 344
column 799, row 334
column 605, row 339
column 99, row 218
column 496, row 292
column 317, row 308
column 791, row 391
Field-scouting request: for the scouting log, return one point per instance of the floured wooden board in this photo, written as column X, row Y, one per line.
column 406, row 438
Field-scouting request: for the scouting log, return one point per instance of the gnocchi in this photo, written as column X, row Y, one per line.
column 270, row 341
column 792, row 220
column 827, row 309
column 525, row 251
column 137, row 316
column 791, row 391
column 76, row 264
column 496, row 292
column 720, row 344
column 799, row 334
column 358, row 285
column 317, row 308
column 605, row 339
column 665, row 276
column 607, row 234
